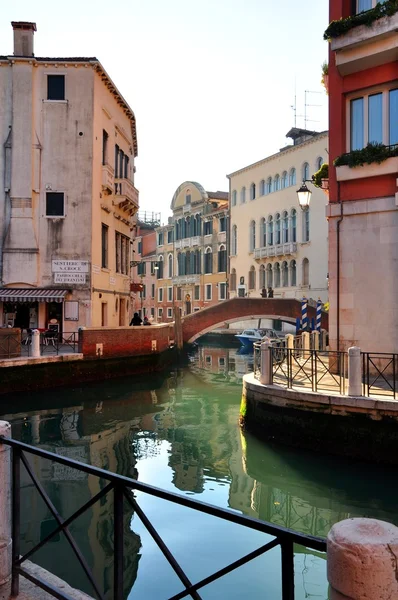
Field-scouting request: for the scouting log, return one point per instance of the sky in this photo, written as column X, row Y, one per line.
column 211, row 82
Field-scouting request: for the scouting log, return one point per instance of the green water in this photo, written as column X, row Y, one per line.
column 180, row 432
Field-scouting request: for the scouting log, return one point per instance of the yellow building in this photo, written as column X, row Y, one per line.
column 67, row 207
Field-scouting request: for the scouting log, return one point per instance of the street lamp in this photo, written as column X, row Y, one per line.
column 304, row 196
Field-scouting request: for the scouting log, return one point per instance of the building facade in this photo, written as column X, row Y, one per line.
column 193, row 252
column 68, row 144
column 273, row 243
column 363, row 215
column 144, row 266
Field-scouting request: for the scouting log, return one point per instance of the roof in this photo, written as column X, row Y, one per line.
column 32, row 295
column 218, row 195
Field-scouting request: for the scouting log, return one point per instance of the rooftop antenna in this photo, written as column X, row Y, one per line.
column 306, row 105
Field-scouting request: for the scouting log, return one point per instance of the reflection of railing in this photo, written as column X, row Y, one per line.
column 123, row 489
column 379, row 370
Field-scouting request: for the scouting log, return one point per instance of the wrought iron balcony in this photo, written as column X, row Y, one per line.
column 108, row 178
column 126, row 195
column 277, row 250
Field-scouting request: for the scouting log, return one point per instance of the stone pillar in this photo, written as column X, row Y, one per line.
column 315, row 339
column 266, row 363
column 305, row 336
column 35, row 343
column 5, row 505
column 362, row 558
column 289, row 341
column 354, row 371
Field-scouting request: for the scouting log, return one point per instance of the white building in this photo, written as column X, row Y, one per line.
column 273, row 242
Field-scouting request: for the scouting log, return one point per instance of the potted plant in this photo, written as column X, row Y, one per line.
column 325, row 76
column 321, row 178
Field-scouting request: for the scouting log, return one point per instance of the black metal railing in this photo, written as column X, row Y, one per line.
column 123, row 489
column 379, row 374
column 10, row 346
column 58, row 343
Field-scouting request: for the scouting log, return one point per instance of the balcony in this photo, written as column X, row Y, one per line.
column 364, row 47
column 186, row 209
column 222, row 237
column 387, row 167
column 186, row 279
column 108, row 178
column 278, row 250
column 188, row 242
column 126, row 196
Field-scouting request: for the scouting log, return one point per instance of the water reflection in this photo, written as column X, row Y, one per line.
column 181, row 432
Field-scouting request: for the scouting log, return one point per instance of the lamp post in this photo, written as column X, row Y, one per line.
column 304, row 196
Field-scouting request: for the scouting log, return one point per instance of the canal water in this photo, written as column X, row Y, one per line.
column 179, row 431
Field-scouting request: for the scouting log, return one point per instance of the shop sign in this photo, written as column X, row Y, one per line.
column 77, row 278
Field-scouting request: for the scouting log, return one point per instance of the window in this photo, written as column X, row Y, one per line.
column 263, row 233
column 234, row 195
column 243, row 195
column 222, row 291
column 143, row 293
column 169, row 294
column 196, row 292
column 179, row 293
column 105, row 138
column 277, row 275
column 306, row 171
column 55, row 204
column 234, row 241
column 252, row 236
column 262, row 281
column 363, row 5
column 208, row 261
column 188, row 198
column 253, row 191
column 319, row 163
column 393, row 117
column 293, row 273
column 285, row 274
column 170, row 236
column 152, row 312
column 276, row 185
column 270, row 231
column 160, row 239
column 285, row 227
column 160, row 313
column 222, row 259
column 284, row 180
column 116, row 159
column 141, row 268
column 153, row 290
column 306, row 271
column 55, row 87
column 104, row 314
column 232, row 280
column 160, row 294
column 208, row 228
column 269, row 276
column 170, row 265
column 160, row 268
column 122, row 244
column 126, row 167
column 262, row 187
column 277, row 228
column 223, row 223
column 306, row 226
column 292, row 176
column 252, row 278
column 374, row 119
column 208, row 291
column 268, row 188
column 104, row 246
column 293, row 225
column 139, row 248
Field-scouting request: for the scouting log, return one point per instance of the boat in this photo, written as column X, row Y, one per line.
column 248, row 337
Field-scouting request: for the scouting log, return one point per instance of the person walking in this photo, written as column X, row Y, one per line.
column 136, row 320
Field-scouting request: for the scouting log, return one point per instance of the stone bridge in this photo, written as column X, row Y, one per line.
column 239, row 309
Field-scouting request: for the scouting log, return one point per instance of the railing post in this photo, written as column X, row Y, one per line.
column 5, row 505
column 354, row 371
column 35, row 343
column 266, row 363
column 287, row 551
column 289, row 341
column 306, row 343
column 315, row 340
column 361, row 560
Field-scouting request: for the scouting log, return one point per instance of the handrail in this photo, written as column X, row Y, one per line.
column 123, row 488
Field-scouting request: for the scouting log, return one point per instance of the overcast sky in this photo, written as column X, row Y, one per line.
column 211, row 82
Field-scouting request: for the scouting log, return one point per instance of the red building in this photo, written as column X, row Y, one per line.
column 363, row 138
column 144, row 266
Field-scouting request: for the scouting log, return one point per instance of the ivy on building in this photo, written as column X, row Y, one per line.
column 323, row 173
column 340, row 27
column 372, row 153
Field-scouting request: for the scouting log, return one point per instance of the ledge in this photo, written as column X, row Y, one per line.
column 387, row 167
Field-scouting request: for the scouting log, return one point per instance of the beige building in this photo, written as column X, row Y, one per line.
column 68, row 144
column 273, row 242
column 193, row 251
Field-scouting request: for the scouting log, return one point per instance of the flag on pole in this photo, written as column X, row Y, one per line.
column 318, row 314
column 304, row 314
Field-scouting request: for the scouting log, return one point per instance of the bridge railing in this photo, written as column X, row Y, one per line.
column 124, row 491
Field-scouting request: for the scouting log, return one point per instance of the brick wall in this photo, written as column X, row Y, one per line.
column 125, row 341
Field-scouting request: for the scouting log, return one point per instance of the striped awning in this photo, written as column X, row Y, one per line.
column 32, row 295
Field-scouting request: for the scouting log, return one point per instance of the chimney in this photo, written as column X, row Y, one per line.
column 23, row 37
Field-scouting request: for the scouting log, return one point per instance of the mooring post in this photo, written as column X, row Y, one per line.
column 362, row 558
column 179, row 340
column 5, row 505
column 35, row 343
column 266, row 363
column 354, row 371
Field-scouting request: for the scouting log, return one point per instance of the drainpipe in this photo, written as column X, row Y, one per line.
column 338, row 263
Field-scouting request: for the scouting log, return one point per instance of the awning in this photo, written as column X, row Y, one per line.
column 32, row 295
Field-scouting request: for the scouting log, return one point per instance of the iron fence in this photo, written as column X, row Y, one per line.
column 379, row 374
column 123, row 489
column 58, row 343
column 10, row 346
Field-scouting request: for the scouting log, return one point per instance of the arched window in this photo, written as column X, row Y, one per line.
column 270, row 231
column 222, row 259
column 160, row 268
column 234, row 241
column 198, row 224
column 188, row 197
column 234, row 195
column 252, row 236
column 177, row 230
column 285, row 274
column 277, row 183
column 284, row 180
column 277, row 228
column 268, row 189
column 252, row 278
column 262, row 281
column 269, row 275
column 243, row 195
column 293, row 225
column 170, row 265
column 285, row 227
column 292, row 176
column 293, row 273
column 180, row 264
column 197, row 269
column 306, row 171
column 277, row 275
column 232, row 280
column 306, row 271
column 253, row 191
column 319, row 162
column 306, row 225
column 263, row 233
column 208, row 260
column 262, row 187
column 188, row 263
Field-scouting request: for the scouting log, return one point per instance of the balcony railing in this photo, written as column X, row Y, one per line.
column 126, row 195
column 188, row 242
column 277, row 250
column 186, row 279
column 108, row 178
column 222, row 236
